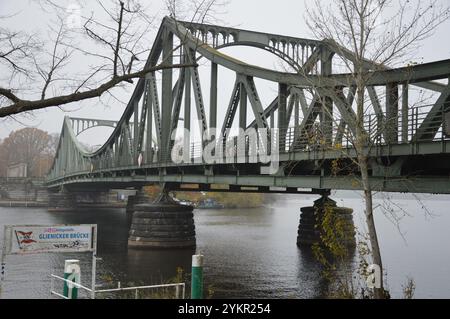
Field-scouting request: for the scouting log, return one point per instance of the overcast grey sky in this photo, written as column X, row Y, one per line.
column 280, row 16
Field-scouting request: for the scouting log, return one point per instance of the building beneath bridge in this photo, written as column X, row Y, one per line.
column 18, row 170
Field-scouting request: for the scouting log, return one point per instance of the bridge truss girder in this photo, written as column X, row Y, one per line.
column 309, row 98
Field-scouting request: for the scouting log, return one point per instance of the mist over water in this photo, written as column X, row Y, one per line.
column 249, row 253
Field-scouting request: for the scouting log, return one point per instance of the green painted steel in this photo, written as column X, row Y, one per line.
column 70, row 293
column 197, row 277
column 71, row 273
column 433, row 185
column 407, row 152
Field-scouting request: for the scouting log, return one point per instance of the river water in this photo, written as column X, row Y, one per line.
column 249, row 253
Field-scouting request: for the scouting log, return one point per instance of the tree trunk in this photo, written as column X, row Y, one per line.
column 376, row 254
column 361, row 143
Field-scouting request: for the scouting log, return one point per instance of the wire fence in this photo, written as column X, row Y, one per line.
column 163, row 291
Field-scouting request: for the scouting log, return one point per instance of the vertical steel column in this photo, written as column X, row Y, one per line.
column 297, row 117
column 213, row 97
column 187, row 107
column 405, row 112
column 326, row 117
column 116, row 152
column 135, row 131
column 392, row 113
column 297, row 111
column 243, row 117
column 242, row 107
column 149, row 140
column 282, row 114
column 65, row 156
column 166, row 98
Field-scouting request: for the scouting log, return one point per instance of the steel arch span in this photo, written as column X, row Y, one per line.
column 312, row 115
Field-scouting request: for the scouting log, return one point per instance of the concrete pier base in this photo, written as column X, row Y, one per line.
column 162, row 225
column 310, row 227
column 139, row 198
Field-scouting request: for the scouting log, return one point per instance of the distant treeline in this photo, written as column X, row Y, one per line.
column 228, row 200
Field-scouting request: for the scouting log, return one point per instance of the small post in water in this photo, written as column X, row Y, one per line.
column 197, row 277
column 72, row 272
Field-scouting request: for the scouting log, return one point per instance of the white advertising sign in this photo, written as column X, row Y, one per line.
column 52, row 238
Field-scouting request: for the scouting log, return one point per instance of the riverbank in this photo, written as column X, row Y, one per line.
column 216, row 200
column 30, row 204
column 34, row 204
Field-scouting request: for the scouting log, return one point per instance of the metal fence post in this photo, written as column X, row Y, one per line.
column 197, row 277
column 72, row 272
column 177, row 292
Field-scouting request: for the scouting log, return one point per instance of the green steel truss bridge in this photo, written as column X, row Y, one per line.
column 313, row 114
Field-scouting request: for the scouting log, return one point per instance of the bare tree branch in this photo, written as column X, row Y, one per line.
column 26, row 105
column 9, row 95
column 115, row 46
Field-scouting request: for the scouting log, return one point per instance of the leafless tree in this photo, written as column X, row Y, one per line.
column 115, row 40
column 379, row 33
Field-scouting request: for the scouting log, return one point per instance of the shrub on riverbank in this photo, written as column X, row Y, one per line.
column 228, row 200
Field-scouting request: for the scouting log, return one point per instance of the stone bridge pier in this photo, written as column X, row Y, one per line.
column 162, row 224
column 139, row 198
column 326, row 216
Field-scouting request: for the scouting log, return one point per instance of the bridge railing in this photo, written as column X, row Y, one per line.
column 420, row 127
column 380, row 129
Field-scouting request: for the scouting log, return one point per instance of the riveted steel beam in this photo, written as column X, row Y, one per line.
column 177, row 106
column 118, row 155
column 166, row 95
column 232, row 107
column 435, row 117
column 242, row 107
column 213, row 96
column 326, row 114
column 301, row 137
column 392, row 114
column 255, row 102
column 405, row 112
column 414, row 74
column 282, row 114
column 381, row 120
column 342, row 124
column 346, row 111
column 156, row 108
column 268, row 112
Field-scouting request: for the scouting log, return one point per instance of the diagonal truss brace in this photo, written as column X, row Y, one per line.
column 342, row 124
column 179, row 89
column 232, row 108
column 255, row 101
column 155, row 103
column 198, row 97
column 429, row 128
